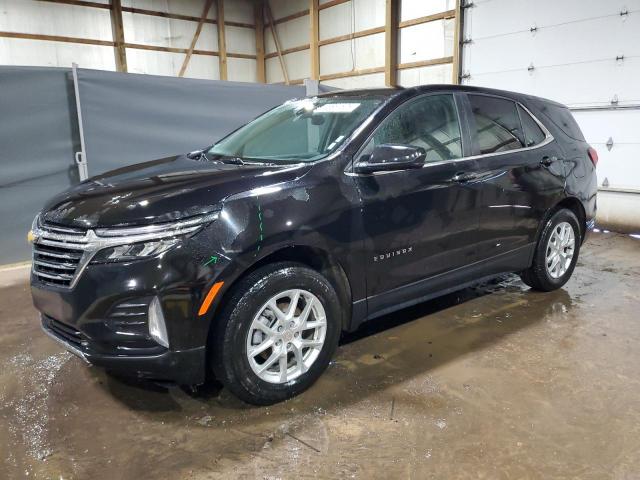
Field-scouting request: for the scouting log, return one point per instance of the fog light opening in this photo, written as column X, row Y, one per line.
column 157, row 327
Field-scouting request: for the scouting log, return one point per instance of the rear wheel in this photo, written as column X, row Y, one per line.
column 556, row 253
column 277, row 334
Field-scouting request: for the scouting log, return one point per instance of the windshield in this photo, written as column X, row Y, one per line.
column 297, row 131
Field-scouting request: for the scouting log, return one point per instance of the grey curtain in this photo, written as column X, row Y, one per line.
column 127, row 119
column 38, row 138
column 132, row 118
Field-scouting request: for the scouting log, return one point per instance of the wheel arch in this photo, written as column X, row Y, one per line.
column 315, row 258
column 319, row 260
column 574, row 205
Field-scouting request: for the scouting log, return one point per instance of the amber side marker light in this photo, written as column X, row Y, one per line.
column 204, row 308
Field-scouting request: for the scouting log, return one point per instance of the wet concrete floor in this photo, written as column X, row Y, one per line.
column 492, row 382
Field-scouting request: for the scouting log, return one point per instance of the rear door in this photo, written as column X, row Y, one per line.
column 418, row 223
column 520, row 173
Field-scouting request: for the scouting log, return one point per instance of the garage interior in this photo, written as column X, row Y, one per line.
column 493, row 381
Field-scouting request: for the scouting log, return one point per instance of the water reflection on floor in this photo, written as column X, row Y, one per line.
column 490, row 382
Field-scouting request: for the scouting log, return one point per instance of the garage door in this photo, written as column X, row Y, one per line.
column 583, row 53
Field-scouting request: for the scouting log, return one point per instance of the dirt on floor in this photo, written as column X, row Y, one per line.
column 491, row 382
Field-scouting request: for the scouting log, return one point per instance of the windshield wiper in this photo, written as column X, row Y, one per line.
column 233, row 160
column 237, row 160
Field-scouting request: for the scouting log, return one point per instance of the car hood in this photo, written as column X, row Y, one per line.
column 160, row 191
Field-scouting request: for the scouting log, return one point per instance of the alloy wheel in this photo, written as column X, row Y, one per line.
column 560, row 250
column 286, row 336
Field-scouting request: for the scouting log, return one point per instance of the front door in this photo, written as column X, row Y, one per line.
column 418, row 223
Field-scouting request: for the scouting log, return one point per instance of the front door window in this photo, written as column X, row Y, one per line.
column 430, row 122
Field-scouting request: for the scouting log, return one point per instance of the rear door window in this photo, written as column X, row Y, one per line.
column 498, row 126
column 533, row 134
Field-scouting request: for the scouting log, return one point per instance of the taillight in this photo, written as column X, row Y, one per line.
column 593, row 155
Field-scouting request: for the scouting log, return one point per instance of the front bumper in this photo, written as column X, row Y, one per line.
column 182, row 367
column 103, row 316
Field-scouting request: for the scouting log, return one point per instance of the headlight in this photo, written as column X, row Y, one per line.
column 160, row 230
column 131, row 243
column 123, row 253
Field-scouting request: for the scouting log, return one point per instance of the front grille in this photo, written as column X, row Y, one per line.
column 65, row 332
column 57, row 254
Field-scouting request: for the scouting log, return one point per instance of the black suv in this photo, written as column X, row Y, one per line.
column 248, row 259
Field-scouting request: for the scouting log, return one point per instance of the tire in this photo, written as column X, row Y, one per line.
column 237, row 332
column 539, row 276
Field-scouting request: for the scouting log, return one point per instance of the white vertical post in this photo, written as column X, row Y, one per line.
column 81, row 156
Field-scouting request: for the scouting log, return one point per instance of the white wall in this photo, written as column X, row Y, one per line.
column 291, row 34
column 573, row 54
column 425, row 42
column 416, row 43
column 31, row 16
column 357, row 54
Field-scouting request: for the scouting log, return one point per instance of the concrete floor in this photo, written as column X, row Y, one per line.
column 492, row 382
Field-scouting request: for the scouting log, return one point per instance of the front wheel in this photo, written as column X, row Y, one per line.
column 277, row 334
column 556, row 253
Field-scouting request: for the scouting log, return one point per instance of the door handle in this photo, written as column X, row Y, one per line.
column 462, row 177
column 547, row 161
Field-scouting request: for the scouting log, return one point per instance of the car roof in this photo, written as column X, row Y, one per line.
column 363, row 92
column 420, row 89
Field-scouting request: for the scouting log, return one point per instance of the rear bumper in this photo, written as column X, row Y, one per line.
column 185, row 367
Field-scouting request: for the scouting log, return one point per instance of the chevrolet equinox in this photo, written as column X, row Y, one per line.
column 248, row 259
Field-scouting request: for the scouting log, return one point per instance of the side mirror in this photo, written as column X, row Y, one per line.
column 388, row 157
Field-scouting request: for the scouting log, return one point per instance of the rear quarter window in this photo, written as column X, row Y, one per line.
column 533, row 134
column 562, row 118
